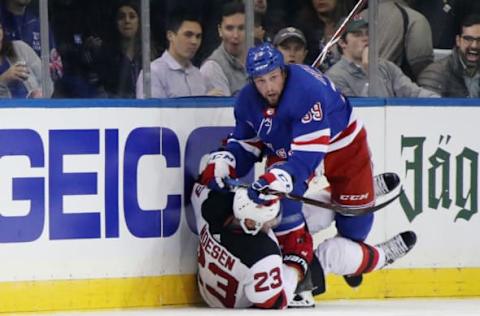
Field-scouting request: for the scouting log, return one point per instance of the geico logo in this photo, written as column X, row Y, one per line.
column 353, row 197
column 117, row 161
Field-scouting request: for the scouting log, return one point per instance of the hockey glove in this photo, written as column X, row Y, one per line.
column 276, row 179
column 220, row 165
column 297, row 249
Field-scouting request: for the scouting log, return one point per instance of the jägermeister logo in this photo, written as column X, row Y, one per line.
column 452, row 178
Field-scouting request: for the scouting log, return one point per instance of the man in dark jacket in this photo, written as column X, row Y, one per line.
column 458, row 75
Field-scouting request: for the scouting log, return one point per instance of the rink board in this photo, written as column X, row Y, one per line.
column 94, row 208
column 181, row 290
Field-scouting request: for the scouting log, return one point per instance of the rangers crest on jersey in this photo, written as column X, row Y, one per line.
column 314, row 114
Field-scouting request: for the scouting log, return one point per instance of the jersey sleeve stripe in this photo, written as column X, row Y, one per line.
column 311, row 136
column 352, row 124
column 251, row 146
column 346, row 137
column 323, row 140
column 310, row 148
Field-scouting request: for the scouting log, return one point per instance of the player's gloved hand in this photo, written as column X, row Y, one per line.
column 297, row 249
column 220, row 165
column 276, row 180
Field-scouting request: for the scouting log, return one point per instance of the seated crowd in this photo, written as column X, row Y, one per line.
column 199, row 49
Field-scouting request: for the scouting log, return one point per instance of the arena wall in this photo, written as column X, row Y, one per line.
column 94, row 209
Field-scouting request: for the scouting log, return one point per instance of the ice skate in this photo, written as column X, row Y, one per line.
column 302, row 299
column 385, row 183
column 303, row 296
column 398, row 246
column 394, row 248
column 353, row 280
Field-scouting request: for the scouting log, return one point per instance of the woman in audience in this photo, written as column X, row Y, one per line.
column 20, row 70
column 120, row 60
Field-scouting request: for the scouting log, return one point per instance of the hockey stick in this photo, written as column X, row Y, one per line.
column 347, row 211
column 338, row 33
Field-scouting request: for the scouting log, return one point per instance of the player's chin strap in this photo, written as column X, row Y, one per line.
column 347, row 211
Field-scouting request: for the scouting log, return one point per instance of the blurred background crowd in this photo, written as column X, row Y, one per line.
column 427, row 48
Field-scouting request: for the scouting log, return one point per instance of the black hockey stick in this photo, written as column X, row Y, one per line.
column 347, row 211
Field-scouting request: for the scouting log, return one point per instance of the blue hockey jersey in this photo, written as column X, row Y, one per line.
column 311, row 119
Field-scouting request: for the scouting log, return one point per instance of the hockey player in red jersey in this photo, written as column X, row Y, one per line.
column 240, row 263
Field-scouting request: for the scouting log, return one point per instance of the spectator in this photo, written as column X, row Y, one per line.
column 225, row 66
column 259, row 33
column 405, row 37
column 445, row 17
column 79, row 40
column 21, row 23
column 119, row 62
column 350, row 73
column 318, row 20
column 284, row 12
column 173, row 74
column 292, row 44
column 265, row 21
column 260, row 6
column 458, row 75
column 20, row 70
column 210, row 12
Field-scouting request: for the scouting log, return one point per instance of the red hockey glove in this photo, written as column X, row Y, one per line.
column 297, row 249
column 220, row 165
column 276, row 179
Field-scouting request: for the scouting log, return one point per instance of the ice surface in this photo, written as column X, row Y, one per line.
column 390, row 307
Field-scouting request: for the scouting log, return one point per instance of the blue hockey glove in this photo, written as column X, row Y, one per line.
column 276, row 179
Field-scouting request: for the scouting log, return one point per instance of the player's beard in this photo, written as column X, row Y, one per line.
column 273, row 99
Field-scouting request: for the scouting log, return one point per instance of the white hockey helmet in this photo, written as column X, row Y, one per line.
column 245, row 209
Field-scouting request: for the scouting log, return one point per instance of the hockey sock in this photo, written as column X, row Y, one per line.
column 343, row 256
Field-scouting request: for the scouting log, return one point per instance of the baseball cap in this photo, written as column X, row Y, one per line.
column 354, row 25
column 289, row 32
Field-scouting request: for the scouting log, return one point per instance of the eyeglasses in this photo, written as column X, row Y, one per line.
column 470, row 39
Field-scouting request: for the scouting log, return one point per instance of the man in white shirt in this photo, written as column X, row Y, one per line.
column 173, row 74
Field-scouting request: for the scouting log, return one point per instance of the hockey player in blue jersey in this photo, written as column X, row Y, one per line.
column 294, row 115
